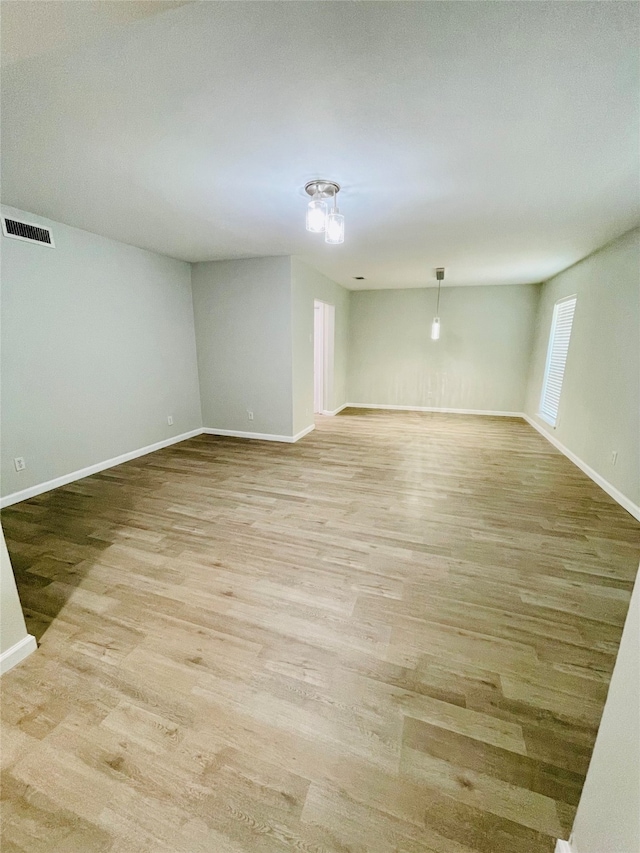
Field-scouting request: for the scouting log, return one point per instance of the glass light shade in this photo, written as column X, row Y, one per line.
column 435, row 329
column 335, row 227
column 316, row 216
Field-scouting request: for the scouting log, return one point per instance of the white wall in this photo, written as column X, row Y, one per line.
column 12, row 627
column 307, row 285
column 600, row 403
column 98, row 348
column 608, row 816
column 480, row 362
column 243, row 330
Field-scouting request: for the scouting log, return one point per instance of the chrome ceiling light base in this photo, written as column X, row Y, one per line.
column 322, row 189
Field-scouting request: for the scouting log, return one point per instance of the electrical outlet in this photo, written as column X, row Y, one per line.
column 614, row 457
column 170, row 420
column 250, row 415
column 19, row 463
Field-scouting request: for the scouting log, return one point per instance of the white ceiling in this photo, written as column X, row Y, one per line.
column 32, row 27
column 499, row 140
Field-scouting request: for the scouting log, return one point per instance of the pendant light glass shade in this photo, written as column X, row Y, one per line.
column 335, row 227
column 316, row 215
column 435, row 329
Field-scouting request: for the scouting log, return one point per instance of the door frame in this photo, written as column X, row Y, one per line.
column 323, row 355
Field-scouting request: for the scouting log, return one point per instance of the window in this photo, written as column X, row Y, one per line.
column 563, row 312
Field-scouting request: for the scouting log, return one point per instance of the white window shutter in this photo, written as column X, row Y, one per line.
column 559, row 338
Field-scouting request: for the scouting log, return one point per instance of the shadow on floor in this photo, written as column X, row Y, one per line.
column 54, row 539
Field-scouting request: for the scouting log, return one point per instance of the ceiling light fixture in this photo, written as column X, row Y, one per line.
column 435, row 326
column 319, row 219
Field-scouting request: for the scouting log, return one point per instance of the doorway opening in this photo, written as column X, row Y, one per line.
column 323, row 343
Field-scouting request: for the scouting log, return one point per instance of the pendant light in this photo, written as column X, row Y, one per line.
column 335, row 226
column 435, row 325
column 319, row 219
column 316, row 214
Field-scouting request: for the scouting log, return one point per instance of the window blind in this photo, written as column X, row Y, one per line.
column 563, row 312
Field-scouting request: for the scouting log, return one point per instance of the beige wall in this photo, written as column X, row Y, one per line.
column 243, row 330
column 98, row 349
column 307, row 285
column 480, row 362
column 608, row 817
column 12, row 627
column 600, row 403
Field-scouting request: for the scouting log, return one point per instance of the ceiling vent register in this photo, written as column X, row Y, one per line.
column 27, row 232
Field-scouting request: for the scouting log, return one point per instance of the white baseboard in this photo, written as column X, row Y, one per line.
column 32, row 491
column 564, row 847
column 47, row 486
column 303, row 432
column 611, row 490
column 434, row 409
column 17, row 653
column 260, row 436
column 616, row 494
column 335, row 411
column 40, row 488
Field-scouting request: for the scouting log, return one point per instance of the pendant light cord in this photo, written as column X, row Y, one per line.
column 438, row 302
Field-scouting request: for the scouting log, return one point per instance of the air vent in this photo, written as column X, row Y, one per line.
column 27, row 232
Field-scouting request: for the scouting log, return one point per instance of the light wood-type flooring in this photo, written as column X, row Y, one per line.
column 395, row 635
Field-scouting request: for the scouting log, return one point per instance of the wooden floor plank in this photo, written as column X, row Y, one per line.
column 395, row 635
